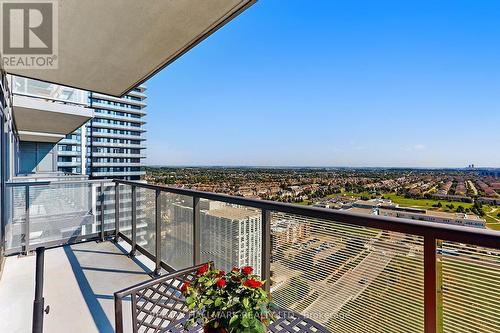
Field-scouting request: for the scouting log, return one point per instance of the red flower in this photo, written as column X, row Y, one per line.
column 252, row 283
column 247, row 270
column 203, row 269
column 184, row 287
column 221, row 283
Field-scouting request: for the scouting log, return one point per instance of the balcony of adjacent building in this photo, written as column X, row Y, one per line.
column 333, row 271
column 69, row 153
column 99, row 124
column 137, row 93
column 69, row 163
column 111, row 174
column 117, row 106
column 128, row 118
column 117, row 164
column 118, row 155
column 99, row 134
column 118, row 145
column 45, row 112
column 70, row 141
column 140, row 102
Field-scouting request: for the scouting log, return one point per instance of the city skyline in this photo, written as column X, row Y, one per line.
column 313, row 91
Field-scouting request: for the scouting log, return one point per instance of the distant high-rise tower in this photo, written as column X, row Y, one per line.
column 111, row 144
column 115, row 138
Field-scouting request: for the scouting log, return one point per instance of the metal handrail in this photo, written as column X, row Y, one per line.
column 454, row 233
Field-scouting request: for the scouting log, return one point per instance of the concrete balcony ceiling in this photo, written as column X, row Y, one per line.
column 40, row 120
column 114, row 45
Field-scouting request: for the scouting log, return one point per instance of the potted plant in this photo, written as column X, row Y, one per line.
column 227, row 302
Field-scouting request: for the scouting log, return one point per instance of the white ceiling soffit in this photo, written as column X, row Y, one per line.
column 112, row 46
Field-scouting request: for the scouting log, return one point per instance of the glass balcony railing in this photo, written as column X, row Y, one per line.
column 48, row 91
column 348, row 272
column 44, row 212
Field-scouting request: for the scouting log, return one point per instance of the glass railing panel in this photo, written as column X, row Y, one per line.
column 177, row 230
column 47, row 90
column 468, row 288
column 125, row 209
column 61, row 211
column 146, row 214
column 15, row 216
column 109, row 205
column 348, row 278
column 231, row 235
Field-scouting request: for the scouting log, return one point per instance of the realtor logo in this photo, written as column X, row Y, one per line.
column 29, row 34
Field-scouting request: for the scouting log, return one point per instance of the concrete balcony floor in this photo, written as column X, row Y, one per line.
column 79, row 284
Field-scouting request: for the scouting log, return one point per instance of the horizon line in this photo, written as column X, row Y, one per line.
column 313, row 167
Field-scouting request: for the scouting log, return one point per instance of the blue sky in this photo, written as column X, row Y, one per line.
column 335, row 83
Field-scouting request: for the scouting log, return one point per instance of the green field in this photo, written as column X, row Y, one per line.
column 410, row 202
column 424, row 203
column 492, row 221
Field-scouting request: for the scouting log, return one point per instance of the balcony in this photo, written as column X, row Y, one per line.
column 137, row 94
column 116, row 164
column 69, row 164
column 122, row 118
column 66, row 141
column 122, row 155
column 69, row 153
column 348, row 272
column 46, row 112
column 140, row 103
column 105, row 106
column 114, row 126
column 118, row 173
column 118, row 145
column 117, row 136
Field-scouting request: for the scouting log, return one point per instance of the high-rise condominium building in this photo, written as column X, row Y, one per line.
column 111, row 144
column 231, row 234
column 114, row 138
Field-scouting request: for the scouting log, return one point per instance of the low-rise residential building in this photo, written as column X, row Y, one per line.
column 467, row 220
column 284, row 232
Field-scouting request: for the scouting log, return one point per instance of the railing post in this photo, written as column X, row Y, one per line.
column 430, row 291
column 101, row 200
column 27, row 220
column 39, row 301
column 158, row 232
column 196, row 231
column 117, row 211
column 134, row 220
column 266, row 249
column 118, row 314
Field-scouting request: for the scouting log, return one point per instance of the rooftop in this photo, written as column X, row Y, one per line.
column 233, row 213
